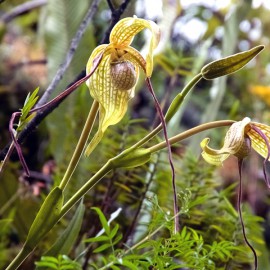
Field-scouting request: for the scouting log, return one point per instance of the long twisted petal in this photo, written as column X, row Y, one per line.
column 124, row 32
column 213, row 156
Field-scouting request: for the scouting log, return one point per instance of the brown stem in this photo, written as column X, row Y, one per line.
column 163, row 122
column 70, row 53
column 239, row 200
column 16, row 144
column 21, row 9
column 54, row 102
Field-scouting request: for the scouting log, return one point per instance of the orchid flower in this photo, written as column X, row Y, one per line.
column 240, row 138
column 113, row 83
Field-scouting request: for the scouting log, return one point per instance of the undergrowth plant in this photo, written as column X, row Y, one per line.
column 200, row 229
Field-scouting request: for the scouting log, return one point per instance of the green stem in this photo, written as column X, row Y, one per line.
column 80, row 145
column 24, row 253
column 86, row 187
column 191, row 132
column 175, row 105
column 109, row 165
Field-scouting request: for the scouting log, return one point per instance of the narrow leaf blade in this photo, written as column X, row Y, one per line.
column 65, row 242
column 46, row 218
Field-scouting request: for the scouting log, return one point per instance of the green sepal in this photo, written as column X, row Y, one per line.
column 132, row 159
column 229, row 64
column 66, row 240
column 46, row 217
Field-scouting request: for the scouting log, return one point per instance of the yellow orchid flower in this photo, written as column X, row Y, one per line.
column 240, row 138
column 113, row 82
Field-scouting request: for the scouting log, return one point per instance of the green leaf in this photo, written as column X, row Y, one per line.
column 46, row 264
column 129, row 264
column 103, row 220
column 114, row 231
column 46, row 218
column 49, row 259
column 117, row 239
column 102, row 247
column 29, row 103
column 229, row 64
column 114, row 267
column 100, row 238
column 68, row 238
column 4, row 224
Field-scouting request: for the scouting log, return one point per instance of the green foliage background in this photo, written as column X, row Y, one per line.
column 140, row 236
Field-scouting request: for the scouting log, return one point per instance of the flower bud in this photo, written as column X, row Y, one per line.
column 123, row 75
column 229, row 64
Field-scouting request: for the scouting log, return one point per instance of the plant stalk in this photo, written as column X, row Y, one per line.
column 86, row 187
column 80, row 145
column 176, row 103
column 24, row 253
column 164, row 126
column 191, row 132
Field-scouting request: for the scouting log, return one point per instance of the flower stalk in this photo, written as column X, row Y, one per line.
column 80, row 145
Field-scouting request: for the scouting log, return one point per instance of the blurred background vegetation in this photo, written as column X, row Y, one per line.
column 34, row 43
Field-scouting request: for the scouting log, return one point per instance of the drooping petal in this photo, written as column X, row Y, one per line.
column 124, row 31
column 96, row 52
column 257, row 141
column 212, row 156
column 113, row 102
column 135, row 57
column 235, row 143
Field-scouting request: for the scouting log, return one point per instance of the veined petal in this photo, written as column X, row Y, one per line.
column 135, row 57
column 96, row 52
column 257, row 142
column 113, row 102
column 235, row 143
column 212, row 156
column 124, row 31
column 235, row 140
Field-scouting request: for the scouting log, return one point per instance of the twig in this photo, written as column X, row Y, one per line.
column 115, row 17
column 48, row 107
column 72, row 49
column 59, row 74
column 15, row 143
column 21, row 9
column 29, row 63
column 110, row 4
